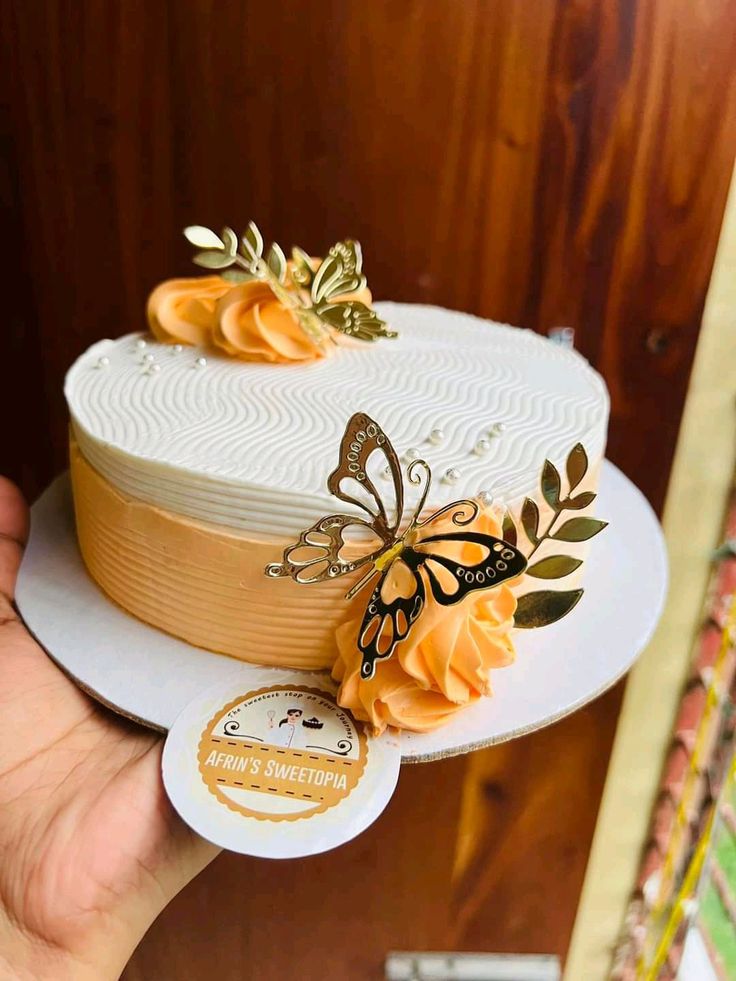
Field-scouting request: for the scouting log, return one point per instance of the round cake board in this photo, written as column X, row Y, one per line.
column 150, row 677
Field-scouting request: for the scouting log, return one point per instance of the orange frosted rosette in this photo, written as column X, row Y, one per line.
column 184, row 310
column 443, row 665
column 253, row 325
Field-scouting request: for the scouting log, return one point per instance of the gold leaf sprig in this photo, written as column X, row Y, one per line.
column 542, row 607
column 314, row 297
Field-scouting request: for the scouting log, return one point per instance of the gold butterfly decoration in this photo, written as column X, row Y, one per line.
column 426, row 549
column 319, row 300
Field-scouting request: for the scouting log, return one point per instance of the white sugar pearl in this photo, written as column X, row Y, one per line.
column 485, row 499
column 103, row 362
column 140, row 344
column 201, row 362
column 177, row 349
column 436, row 436
column 153, row 369
column 148, row 358
column 496, row 429
column 411, row 454
column 451, row 476
column 386, row 473
column 482, row 447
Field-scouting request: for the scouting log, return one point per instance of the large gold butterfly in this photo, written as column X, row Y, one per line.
column 430, row 560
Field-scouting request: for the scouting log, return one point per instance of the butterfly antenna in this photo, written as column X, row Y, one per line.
column 463, row 512
column 416, row 478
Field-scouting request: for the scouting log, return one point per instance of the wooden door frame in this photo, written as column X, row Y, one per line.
column 702, row 477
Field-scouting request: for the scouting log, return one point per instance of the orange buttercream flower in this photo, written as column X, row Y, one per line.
column 252, row 324
column 444, row 664
column 184, row 310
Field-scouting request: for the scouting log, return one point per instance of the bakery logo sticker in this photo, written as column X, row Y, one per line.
column 283, row 753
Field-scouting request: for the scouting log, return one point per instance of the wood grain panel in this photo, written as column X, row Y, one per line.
column 542, row 162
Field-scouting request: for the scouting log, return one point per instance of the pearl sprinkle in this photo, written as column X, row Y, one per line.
column 437, row 436
column 496, row 429
column 482, row 447
column 451, row 476
column 141, row 344
column 103, row 362
column 485, row 499
column 411, row 454
column 200, row 363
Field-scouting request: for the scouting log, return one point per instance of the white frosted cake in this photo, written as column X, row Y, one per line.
column 194, row 470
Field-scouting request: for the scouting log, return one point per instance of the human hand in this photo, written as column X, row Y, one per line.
column 90, row 848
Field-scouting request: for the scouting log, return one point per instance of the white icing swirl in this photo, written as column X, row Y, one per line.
column 250, row 446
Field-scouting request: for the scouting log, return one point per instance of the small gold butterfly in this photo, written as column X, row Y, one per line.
column 316, row 556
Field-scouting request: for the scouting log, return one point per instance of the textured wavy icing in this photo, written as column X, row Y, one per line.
column 249, row 446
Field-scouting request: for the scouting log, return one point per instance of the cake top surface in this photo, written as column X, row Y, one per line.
column 250, row 445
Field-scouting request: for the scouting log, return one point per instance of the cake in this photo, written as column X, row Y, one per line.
column 193, row 469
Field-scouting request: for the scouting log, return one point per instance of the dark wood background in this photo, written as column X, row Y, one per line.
column 541, row 162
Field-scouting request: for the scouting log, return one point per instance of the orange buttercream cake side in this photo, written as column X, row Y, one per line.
column 200, row 583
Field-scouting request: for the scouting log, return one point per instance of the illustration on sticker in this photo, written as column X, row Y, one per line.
column 282, row 753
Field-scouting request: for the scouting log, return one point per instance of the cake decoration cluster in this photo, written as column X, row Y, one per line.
column 259, row 306
column 427, row 568
column 429, row 553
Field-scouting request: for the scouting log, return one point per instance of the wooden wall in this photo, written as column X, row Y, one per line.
column 542, row 162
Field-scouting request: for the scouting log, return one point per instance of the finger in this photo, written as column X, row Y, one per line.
column 13, row 535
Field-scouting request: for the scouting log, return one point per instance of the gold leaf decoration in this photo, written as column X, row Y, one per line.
column 302, row 272
column 550, row 484
column 253, row 243
column 202, row 238
column 537, row 609
column 213, row 260
column 579, row 502
column 509, row 529
column 554, row 567
column 530, row 520
column 544, row 607
column 276, row 261
column 237, row 276
column 579, row 529
column 230, row 241
column 576, row 466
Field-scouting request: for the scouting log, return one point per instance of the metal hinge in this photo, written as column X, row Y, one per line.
column 449, row 966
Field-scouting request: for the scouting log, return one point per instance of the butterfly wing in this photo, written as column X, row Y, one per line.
column 354, row 319
column 500, row 562
column 317, row 555
column 386, row 622
column 363, row 437
column 340, row 272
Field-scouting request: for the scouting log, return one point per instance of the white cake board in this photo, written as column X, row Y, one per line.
column 149, row 676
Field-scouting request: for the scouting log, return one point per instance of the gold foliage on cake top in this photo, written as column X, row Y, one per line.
column 259, row 306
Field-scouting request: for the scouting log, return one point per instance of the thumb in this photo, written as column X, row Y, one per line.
column 13, row 536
